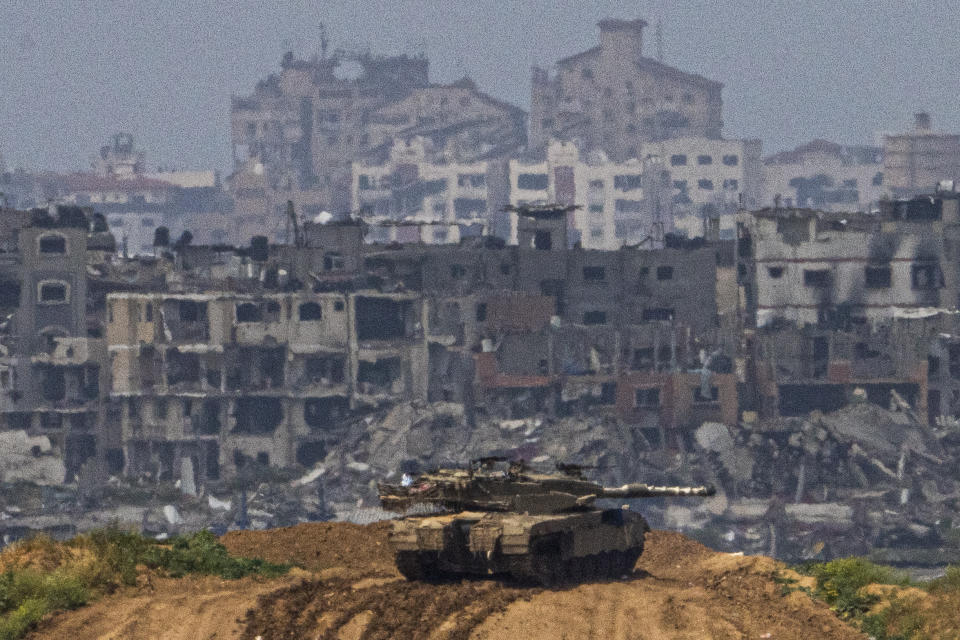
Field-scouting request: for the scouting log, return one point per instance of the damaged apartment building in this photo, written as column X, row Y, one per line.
column 53, row 371
column 268, row 358
column 836, row 304
column 298, row 134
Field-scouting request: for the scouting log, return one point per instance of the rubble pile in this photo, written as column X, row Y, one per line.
column 859, row 480
column 853, row 481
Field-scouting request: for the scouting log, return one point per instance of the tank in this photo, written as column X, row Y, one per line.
column 494, row 518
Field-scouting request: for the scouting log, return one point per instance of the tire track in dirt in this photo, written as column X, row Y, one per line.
column 326, row 608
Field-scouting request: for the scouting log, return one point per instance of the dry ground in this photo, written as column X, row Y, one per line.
column 348, row 589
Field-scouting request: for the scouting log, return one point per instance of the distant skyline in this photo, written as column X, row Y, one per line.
column 73, row 73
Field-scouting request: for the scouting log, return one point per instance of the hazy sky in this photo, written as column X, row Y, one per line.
column 73, row 73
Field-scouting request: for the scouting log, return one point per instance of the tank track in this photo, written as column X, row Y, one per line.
column 550, row 571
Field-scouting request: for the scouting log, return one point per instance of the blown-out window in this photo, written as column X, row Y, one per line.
column 52, row 243
column 53, row 292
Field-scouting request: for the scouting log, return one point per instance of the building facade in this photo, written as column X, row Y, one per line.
column 917, row 161
column 613, row 98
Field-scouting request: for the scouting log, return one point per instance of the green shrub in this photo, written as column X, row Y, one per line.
column 25, row 617
column 839, row 583
column 201, row 552
column 26, row 595
column 949, row 582
column 901, row 620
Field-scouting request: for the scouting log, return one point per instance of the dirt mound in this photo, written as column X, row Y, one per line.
column 680, row 589
column 190, row 608
column 385, row 609
column 318, row 545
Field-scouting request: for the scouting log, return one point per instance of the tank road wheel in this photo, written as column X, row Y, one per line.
column 416, row 565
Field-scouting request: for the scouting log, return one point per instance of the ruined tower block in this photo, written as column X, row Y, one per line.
column 621, row 41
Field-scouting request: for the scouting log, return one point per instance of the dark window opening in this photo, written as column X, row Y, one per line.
column 678, row 160
column 594, row 317
column 664, row 273
column 325, row 370
column 53, row 384
column 542, row 240
column 53, row 292
column 338, row 305
column 642, row 359
column 249, row 312
column 257, row 416
column 182, row 368
column 322, row 414
column 310, row 311
column 775, row 272
column 383, row 319
column 192, row 311
column 954, row 361
column 333, row 262
column 534, row 181
column 647, row 398
column 817, row 277
column 555, row 289
column 731, row 160
column 481, row 312
column 705, row 159
column 933, row 365
column 595, row 274
column 208, row 421
column 458, row 271
column 310, row 453
column 924, row 276
column 379, row 376
column 263, row 458
column 877, row 277
column 53, row 243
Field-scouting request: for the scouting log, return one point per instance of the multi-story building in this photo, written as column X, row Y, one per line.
column 825, row 176
column 52, row 355
column 443, row 201
column 296, row 137
column 617, row 203
column 829, row 299
column 711, row 180
column 134, row 201
column 613, row 98
column 917, row 161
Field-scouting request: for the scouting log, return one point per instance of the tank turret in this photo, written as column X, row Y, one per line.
column 506, row 518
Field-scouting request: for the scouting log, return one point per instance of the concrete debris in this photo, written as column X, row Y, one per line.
column 171, row 514
column 29, row 459
column 217, row 504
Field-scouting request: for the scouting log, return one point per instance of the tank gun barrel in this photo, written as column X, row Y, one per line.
column 640, row 490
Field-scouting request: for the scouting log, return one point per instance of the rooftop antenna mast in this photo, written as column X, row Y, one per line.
column 659, row 40
column 324, row 40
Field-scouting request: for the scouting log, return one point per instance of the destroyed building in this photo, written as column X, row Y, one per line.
column 829, row 300
column 612, row 97
column 297, row 135
column 264, row 357
column 52, row 353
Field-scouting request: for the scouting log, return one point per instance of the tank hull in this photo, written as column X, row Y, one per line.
column 548, row 549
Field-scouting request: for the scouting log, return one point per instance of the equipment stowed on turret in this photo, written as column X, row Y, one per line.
column 500, row 519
